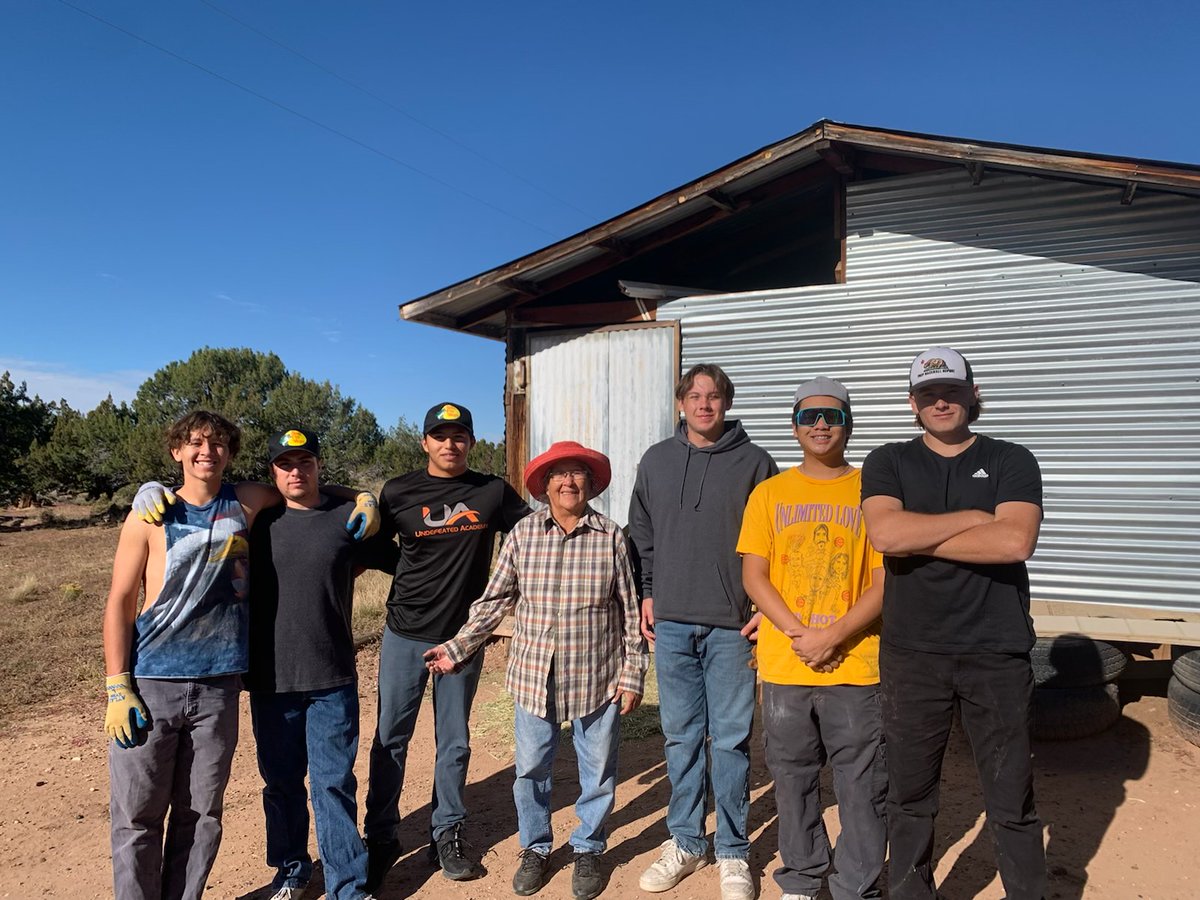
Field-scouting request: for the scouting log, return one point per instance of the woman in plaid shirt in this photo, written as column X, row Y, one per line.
column 577, row 653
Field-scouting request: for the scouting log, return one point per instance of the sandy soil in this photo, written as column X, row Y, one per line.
column 1120, row 812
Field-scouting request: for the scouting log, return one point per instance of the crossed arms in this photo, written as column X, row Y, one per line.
column 968, row 535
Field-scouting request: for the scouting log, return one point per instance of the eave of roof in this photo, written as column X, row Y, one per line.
column 460, row 305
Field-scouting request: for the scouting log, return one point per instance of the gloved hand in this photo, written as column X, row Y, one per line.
column 151, row 501
column 126, row 713
column 364, row 520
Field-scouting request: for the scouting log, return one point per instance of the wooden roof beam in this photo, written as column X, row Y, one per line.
column 897, row 164
column 721, row 200
column 616, row 246
column 524, row 287
column 838, row 156
column 671, row 232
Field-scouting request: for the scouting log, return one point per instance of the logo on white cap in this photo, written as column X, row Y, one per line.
column 939, row 365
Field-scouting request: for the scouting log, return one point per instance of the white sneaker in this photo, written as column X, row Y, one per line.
column 670, row 868
column 736, row 883
column 798, row 897
column 289, row 893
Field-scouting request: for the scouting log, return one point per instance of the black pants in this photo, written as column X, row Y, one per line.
column 992, row 692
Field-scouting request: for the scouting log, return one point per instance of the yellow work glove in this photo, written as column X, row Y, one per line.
column 126, row 714
column 364, row 520
column 151, row 501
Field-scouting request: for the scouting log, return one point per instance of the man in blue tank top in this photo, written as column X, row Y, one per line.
column 174, row 669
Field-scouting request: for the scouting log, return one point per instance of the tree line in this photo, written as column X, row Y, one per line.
column 51, row 450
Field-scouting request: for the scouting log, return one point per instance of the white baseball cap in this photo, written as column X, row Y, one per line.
column 940, row 365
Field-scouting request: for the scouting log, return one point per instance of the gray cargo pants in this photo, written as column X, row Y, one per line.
column 183, row 765
column 806, row 727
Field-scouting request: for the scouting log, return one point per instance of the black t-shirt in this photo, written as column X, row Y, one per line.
column 942, row 606
column 447, row 527
column 302, row 565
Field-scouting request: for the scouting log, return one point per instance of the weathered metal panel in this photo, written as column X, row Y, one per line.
column 940, row 223
column 611, row 390
column 1082, row 320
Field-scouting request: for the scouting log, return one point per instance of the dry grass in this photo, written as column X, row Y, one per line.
column 495, row 718
column 23, row 591
column 56, row 582
column 371, row 590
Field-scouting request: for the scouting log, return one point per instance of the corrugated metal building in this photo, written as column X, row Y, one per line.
column 1071, row 281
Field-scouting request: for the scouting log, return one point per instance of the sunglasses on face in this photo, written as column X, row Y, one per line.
column 808, row 417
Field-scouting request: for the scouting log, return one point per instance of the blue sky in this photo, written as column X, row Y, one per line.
column 149, row 207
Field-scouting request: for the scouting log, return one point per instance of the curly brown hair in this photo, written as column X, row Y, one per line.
column 207, row 423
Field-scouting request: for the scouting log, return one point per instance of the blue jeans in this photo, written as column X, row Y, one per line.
column 402, row 679
column 177, row 776
column 706, row 689
column 317, row 732
column 596, row 737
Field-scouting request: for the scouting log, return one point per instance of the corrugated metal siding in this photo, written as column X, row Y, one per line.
column 1085, row 353
column 610, row 390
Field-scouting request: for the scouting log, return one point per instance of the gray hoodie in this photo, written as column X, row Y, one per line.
column 684, row 520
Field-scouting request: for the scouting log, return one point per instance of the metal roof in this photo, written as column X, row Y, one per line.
column 824, row 150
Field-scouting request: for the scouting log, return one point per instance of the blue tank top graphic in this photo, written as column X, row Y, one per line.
column 200, row 624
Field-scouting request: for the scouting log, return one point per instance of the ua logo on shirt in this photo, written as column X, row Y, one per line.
column 450, row 516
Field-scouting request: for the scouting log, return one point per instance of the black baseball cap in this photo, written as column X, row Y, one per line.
column 293, row 439
column 448, row 414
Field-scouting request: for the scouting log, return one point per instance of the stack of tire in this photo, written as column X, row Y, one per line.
column 1183, row 696
column 1075, row 692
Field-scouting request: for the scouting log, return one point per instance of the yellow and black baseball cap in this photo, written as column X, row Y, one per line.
column 293, row 439
column 448, row 414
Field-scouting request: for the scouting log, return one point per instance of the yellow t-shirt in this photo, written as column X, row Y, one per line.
column 812, row 534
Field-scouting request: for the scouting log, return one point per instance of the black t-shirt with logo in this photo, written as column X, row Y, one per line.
column 941, row 606
column 302, row 564
column 446, row 527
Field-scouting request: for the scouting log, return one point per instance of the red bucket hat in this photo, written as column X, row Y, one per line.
column 597, row 463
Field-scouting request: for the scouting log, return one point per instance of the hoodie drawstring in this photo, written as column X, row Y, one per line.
column 703, row 475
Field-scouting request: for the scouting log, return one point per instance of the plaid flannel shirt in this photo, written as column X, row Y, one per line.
column 575, row 606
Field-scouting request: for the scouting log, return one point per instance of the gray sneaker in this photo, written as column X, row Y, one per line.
column 289, row 893
column 671, row 867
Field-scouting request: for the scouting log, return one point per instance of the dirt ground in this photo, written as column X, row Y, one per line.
column 1120, row 812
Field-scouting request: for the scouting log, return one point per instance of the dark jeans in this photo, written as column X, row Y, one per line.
column 402, row 679
column 313, row 732
column 992, row 693
column 805, row 727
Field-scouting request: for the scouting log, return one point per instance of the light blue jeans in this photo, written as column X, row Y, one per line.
column 596, row 736
column 313, row 732
column 706, row 689
column 402, row 679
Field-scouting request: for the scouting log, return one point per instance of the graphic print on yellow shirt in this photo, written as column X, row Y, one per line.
column 812, row 534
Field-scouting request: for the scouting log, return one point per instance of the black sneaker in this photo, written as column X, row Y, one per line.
column 455, row 856
column 381, row 856
column 531, row 874
column 587, row 881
